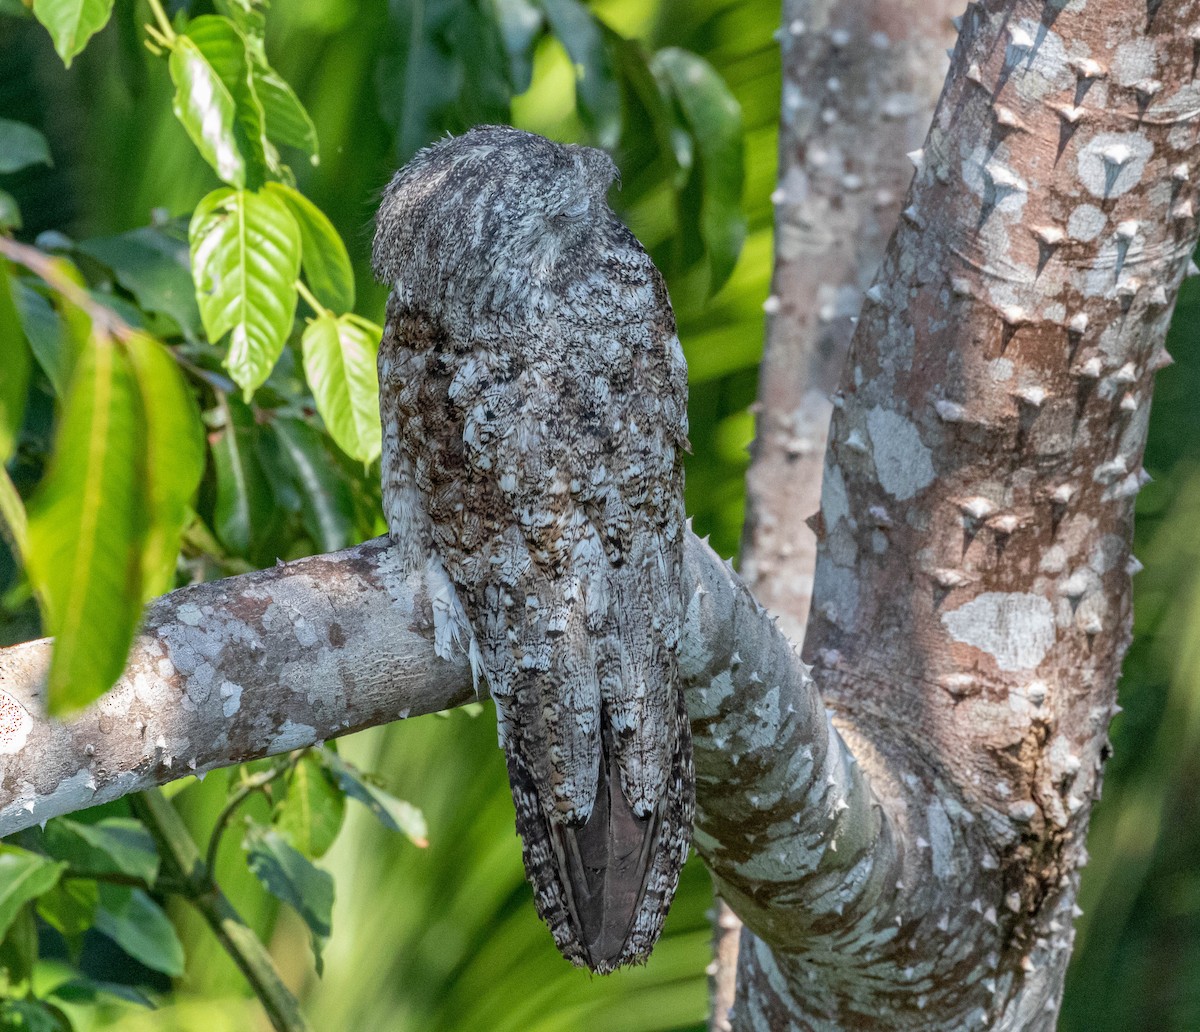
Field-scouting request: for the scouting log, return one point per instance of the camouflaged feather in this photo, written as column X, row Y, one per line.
column 533, row 396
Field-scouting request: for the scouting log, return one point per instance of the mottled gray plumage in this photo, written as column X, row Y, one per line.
column 533, row 396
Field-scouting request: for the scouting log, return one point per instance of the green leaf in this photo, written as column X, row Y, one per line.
column 714, row 120
column 19, row 947
column 245, row 260
column 312, row 812
column 174, row 463
column 23, row 876
column 520, row 24
column 86, row 528
column 207, row 110
column 114, row 845
column 323, row 255
column 287, row 120
column 394, row 814
column 10, row 212
column 47, row 336
column 14, row 359
column 325, row 502
column 224, row 48
column 70, row 907
column 32, row 1016
column 339, row 362
column 288, row 875
column 138, row 925
column 243, row 496
column 71, row 23
column 21, row 145
column 152, row 264
column 597, row 92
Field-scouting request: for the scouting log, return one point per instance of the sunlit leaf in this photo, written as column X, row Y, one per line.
column 312, row 811
column 224, row 48
column 597, row 92
column 23, row 876
column 243, row 494
column 87, row 526
column 245, row 260
column 71, row 23
column 714, row 119
column 287, row 120
column 138, row 925
column 207, row 110
column 174, row 449
column 394, row 814
column 290, row 876
column 114, row 845
column 152, row 264
column 21, row 145
column 323, row 255
column 15, row 361
column 70, row 907
column 339, row 363
column 325, row 502
column 47, row 335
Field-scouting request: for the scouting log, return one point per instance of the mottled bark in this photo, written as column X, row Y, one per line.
column 861, row 78
column 972, row 595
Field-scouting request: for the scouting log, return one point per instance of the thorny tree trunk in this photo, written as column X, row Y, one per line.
column 861, row 78
column 972, row 595
column 918, row 869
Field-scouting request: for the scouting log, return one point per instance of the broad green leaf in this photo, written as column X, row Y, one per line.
column 245, row 260
column 14, row 360
column 70, row 907
column 47, row 336
column 394, row 814
column 152, row 264
column 714, row 119
column 339, row 363
column 243, row 494
column 207, row 110
column 19, row 946
column 86, row 528
column 138, row 925
column 323, row 255
column 224, row 48
column 313, row 809
column 174, row 443
column 325, row 502
column 287, row 120
column 23, row 876
column 114, row 845
column 597, row 91
column 247, row 15
column 21, row 145
column 32, row 1016
column 71, row 23
column 290, row 876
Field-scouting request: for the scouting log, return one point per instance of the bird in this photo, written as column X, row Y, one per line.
column 533, row 401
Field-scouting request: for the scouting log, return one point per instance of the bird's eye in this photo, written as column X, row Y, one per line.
column 576, row 210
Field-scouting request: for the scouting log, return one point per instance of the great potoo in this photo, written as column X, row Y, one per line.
column 533, row 395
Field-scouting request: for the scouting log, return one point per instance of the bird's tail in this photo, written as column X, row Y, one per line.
column 604, row 887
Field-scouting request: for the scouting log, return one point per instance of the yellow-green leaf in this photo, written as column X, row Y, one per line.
column 16, row 365
column 245, row 261
column 339, row 361
column 87, row 527
column 324, row 259
column 71, row 23
column 207, row 110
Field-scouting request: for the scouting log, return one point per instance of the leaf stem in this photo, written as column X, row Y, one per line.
column 255, row 783
column 182, row 859
column 311, row 299
column 164, row 23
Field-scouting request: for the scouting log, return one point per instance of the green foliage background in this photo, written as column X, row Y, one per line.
column 445, row 937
